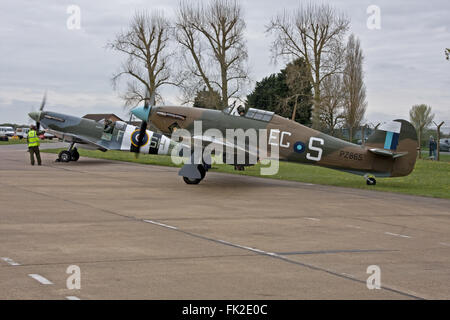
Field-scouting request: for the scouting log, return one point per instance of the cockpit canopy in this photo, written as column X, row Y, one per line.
column 255, row 114
column 258, row 114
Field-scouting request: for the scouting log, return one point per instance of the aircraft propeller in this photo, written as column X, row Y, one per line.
column 44, row 99
column 142, row 132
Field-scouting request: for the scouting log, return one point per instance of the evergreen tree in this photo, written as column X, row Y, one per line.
column 208, row 100
column 284, row 92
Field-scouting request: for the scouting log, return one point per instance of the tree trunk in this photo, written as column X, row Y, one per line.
column 295, row 109
column 316, row 110
column 420, row 144
column 363, row 135
column 224, row 87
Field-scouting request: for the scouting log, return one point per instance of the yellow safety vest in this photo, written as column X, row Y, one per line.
column 33, row 139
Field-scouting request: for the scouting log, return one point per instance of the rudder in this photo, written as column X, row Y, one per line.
column 400, row 137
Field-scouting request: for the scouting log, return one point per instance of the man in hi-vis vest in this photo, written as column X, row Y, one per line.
column 33, row 145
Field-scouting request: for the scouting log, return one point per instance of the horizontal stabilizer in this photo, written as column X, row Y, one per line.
column 387, row 153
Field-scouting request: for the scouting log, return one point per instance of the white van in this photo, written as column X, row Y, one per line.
column 22, row 133
column 6, row 132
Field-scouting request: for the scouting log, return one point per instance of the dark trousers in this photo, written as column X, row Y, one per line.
column 34, row 151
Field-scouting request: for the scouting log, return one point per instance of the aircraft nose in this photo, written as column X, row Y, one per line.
column 35, row 115
column 142, row 112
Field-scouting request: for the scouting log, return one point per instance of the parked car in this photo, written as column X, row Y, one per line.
column 444, row 145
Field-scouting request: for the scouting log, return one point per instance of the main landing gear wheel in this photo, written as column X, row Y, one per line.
column 64, row 156
column 196, row 181
column 74, row 156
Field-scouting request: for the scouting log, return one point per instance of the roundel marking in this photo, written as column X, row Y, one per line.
column 299, row 147
column 134, row 138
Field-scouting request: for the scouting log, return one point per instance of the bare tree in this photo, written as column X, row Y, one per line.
column 299, row 84
column 421, row 117
column 355, row 91
column 313, row 32
column 333, row 99
column 214, row 51
column 147, row 66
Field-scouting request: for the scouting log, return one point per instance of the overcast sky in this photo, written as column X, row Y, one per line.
column 404, row 60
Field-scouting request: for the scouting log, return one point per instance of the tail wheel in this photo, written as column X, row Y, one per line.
column 371, row 181
column 64, row 156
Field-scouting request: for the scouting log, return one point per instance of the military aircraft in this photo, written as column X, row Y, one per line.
column 101, row 135
column 389, row 152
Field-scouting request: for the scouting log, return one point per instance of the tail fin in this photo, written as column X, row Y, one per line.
column 397, row 139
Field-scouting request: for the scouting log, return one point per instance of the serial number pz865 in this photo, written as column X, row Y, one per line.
column 351, row 155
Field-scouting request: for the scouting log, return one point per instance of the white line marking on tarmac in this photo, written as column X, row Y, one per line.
column 444, row 244
column 161, row 224
column 348, row 275
column 249, row 248
column 40, row 279
column 10, row 261
column 72, row 298
column 313, row 219
column 397, row 235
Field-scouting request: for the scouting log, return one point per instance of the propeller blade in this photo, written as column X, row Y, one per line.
column 43, row 101
column 141, row 137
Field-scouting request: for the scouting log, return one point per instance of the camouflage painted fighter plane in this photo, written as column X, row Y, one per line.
column 99, row 135
column 389, row 152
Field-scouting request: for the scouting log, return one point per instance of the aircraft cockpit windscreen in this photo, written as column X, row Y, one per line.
column 261, row 115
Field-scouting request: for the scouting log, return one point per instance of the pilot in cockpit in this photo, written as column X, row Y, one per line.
column 241, row 110
column 109, row 126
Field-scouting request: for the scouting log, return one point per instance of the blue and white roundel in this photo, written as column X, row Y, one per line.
column 299, row 147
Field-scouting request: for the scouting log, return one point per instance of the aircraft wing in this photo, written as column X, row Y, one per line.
column 222, row 144
column 69, row 137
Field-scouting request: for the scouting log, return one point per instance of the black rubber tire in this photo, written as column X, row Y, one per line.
column 64, row 156
column 74, row 155
column 191, row 181
column 371, row 181
column 202, row 170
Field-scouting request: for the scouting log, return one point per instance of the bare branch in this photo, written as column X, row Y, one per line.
column 145, row 45
column 314, row 33
column 211, row 36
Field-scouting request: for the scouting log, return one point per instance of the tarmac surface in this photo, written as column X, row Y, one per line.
column 139, row 232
